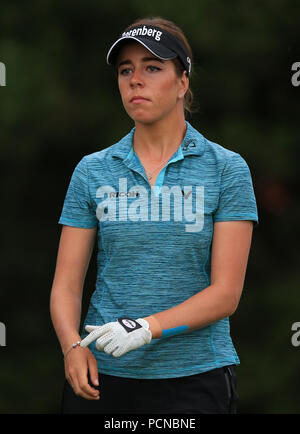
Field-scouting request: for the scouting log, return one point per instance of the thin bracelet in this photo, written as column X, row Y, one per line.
column 73, row 346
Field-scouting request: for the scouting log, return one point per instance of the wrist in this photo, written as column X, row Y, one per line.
column 154, row 326
column 72, row 347
column 67, row 344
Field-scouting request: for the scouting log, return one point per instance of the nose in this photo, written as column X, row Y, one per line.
column 136, row 78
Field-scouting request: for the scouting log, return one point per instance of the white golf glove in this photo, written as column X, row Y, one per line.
column 119, row 337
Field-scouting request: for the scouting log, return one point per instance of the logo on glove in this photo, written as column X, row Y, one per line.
column 129, row 324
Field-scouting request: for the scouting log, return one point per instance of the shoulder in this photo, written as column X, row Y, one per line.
column 106, row 156
column 227, row 160
column 100, row 156
column 223, row 155
column 215, row 154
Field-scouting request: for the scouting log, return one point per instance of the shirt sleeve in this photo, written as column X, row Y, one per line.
column 78, row 210
column 237, row 199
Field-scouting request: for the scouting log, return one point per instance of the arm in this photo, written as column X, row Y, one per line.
column 229, row 257
column 230, row 251
column 74, row 253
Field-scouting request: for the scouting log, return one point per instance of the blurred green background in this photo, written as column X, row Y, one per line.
column 61, row 102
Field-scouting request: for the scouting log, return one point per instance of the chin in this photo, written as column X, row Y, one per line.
column 144, row 121
column 145, row 118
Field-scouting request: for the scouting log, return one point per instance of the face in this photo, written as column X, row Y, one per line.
column 149, row 87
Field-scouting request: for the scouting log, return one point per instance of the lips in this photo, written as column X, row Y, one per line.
column 137, row 99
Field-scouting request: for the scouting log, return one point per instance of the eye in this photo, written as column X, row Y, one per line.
column 124, row 71
column 153, row 68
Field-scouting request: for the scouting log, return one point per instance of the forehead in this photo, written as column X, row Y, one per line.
column 131, row 50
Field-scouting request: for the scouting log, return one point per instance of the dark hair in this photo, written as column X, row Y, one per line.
column 178, row 33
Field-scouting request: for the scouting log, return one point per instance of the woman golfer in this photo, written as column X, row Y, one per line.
column 172, row 214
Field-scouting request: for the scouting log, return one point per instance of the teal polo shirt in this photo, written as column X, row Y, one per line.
column 154, row 245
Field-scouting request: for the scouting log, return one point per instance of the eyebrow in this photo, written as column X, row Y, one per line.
column 144, row 59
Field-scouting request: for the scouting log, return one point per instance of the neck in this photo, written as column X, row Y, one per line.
column 158, row 141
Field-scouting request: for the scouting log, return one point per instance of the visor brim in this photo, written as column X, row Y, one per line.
column 155, row 48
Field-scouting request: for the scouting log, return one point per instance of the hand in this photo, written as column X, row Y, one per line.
column 78, row 362
column 119, row 337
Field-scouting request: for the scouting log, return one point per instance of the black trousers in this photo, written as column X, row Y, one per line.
column 212, row 392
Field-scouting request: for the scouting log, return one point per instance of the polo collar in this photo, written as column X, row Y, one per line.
column 192, row 144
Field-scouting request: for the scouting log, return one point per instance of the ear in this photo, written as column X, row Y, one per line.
column 184, row 83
